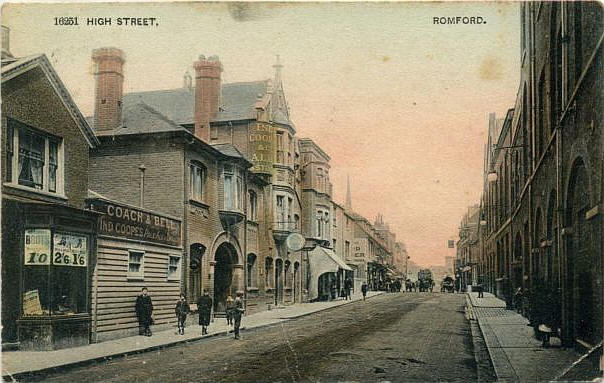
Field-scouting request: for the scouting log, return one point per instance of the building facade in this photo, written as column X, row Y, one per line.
column 543, row 201
column 48, row 237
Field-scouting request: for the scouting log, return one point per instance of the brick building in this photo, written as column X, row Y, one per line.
column 48, row 238
column 542, row 204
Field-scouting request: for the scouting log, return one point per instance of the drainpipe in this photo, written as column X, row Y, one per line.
column 184, row 228
column 245, row 210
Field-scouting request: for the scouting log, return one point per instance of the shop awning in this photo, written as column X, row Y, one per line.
column 322, row 261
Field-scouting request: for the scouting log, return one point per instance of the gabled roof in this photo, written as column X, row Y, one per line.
column 231, row 151
column 12, row 68
column 141, row 118
column 237, row 102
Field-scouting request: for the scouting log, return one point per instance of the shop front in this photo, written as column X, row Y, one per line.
column 326, row 274
column 47, row 258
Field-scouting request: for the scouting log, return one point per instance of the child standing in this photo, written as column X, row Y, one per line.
column 181, row 310
column 230, row 305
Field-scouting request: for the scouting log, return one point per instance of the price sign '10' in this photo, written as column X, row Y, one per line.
column 69, row 250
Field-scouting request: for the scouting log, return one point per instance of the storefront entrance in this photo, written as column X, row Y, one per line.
column 226, row 258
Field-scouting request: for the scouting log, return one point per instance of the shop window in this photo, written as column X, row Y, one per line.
column 38, row 161
column 136, row 264
column 54, row 278
column 174, row 268
column 197, row 181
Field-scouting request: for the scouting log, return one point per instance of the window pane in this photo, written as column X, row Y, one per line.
column 68, row 290
column 228, row 179
column 31, row 159
column 199, row 183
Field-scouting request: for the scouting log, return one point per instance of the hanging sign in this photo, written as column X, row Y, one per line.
column 37, row 247
column 70, row 250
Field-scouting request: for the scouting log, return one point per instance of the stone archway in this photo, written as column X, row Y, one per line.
column 225, row 283
column 582, row 270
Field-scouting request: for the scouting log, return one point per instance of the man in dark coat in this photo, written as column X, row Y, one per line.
column 144, row 309
column 204, row 305
column 237, row 313
column 364, row 290
column 347, row 287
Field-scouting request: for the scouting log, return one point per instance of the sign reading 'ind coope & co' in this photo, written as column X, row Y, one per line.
column 129, row 222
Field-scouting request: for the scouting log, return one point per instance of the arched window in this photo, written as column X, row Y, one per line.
column 268, row 281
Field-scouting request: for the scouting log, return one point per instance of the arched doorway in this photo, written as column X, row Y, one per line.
column 225, row 258
column 287, row 280
column 278, row 281
column 196, row 252
column 582, row 272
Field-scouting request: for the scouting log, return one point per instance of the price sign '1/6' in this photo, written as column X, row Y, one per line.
column 68, row 250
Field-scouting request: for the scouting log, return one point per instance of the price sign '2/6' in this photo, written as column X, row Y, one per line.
column 68, row 249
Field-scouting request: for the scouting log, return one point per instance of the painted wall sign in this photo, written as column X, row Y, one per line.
column 262, row 141
column 128, row 222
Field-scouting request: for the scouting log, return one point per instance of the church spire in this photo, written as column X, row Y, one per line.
column 348, row 195
column 278, row 66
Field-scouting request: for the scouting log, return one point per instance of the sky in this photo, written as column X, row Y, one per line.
column 399, row 103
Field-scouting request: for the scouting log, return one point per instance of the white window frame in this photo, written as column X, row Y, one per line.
column 233, row 196
column 193, row 167
column 175, row 275
column 17, row 127
column 140, row 274
column 253, row 205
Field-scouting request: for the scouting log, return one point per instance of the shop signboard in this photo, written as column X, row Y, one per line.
column 37, row 247
column 70, row 250
column 262, row 141
column 133, row 223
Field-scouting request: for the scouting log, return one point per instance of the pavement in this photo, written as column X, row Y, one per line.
column 516, row 355
column 17, row 363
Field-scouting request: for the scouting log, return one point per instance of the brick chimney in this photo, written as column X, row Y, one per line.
column 109, row 79
column 207, row 94
column 6, row 43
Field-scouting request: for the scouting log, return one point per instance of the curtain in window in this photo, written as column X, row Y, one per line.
column 53, row 151
column 31, row 159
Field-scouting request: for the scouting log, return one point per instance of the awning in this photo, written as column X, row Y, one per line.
column 322, row 261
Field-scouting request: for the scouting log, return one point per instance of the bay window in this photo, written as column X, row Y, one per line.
column 38, row 161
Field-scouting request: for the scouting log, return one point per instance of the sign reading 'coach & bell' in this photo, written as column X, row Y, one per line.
column 126, row 221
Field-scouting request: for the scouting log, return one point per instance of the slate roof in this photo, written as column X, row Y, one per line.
column 141, row 118
column 14, row 67
column 178, row 105
column 228, row 150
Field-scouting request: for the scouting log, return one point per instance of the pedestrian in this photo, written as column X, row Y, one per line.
column 230, row 305
column 204, row 305
column 181, row 310
column 347, row 287
column 480, row 290
column 518, row 300
column 364, row 290
column 334, row 290
column 237, row 313
column 144, row 311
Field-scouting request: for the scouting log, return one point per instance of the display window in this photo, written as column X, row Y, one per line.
column 54, row 273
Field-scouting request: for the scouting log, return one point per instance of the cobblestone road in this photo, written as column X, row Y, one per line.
column 406, row 337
